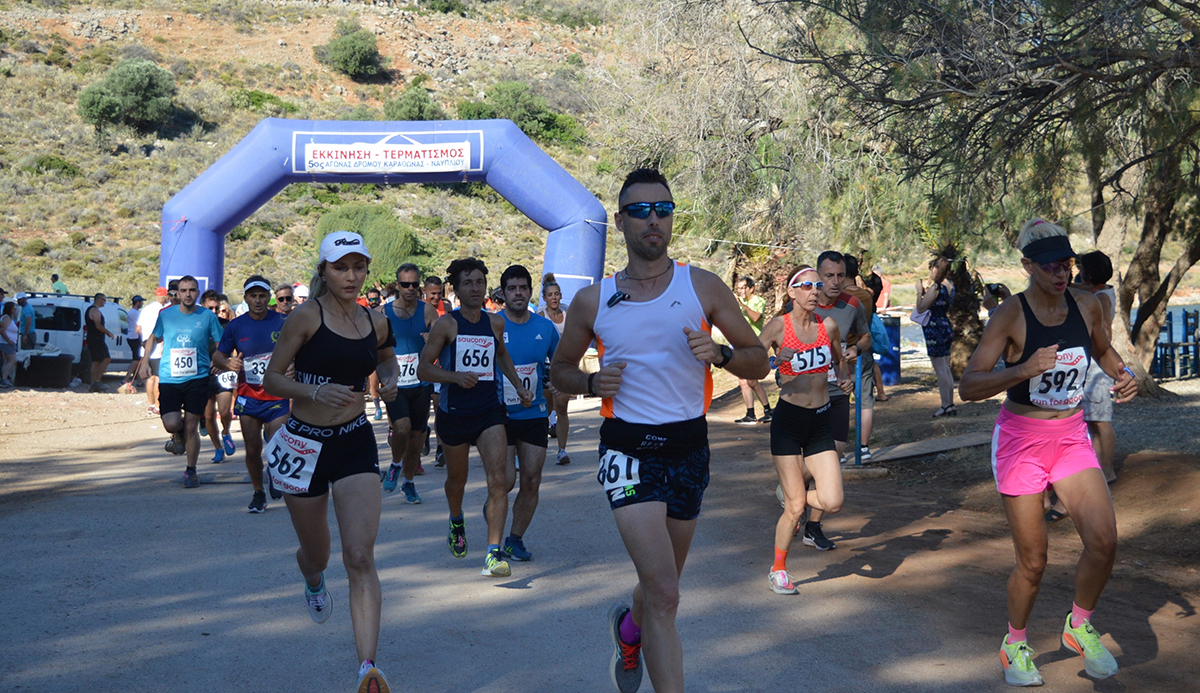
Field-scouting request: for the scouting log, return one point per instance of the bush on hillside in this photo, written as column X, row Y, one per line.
column 446, row 6
column 49, row 163
column 391, row 241
column 516, row 101
column 413, row 104
column 135, row 92
column 255, row 100
column 353, row 51
column 35, row 247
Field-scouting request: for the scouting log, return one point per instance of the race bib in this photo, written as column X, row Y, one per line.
column 227, row 380
column 832, row 375
column 528, row 374
column 618, row 470
column 811, row 359
column 183, row 362
column 1061, row 387
column 291, row 460
column 255, row 368
column 475, row 354
column 408, row 370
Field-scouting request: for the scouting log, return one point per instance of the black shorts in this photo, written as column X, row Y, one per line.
column 667, row 464
column 154, row 364
column 411, row 403
column 839, row 417
column 190, row 396
column 222, row 382
column 801, row 431
column 346, row 449
column 454, row 429
column 135, row 346
column 98, row 348
column 536, row 432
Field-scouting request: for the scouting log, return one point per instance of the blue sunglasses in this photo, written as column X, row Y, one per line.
column 641, row 210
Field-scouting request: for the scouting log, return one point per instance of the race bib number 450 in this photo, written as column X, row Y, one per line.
column 475, row 354
column 528, row 373
column 291, row 460
column 1061, row 387
column 183, row 363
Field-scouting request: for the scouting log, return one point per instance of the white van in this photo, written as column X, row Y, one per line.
column 59, row 322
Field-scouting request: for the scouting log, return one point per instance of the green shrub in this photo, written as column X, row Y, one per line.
column 35, row 247
column 413, row 104
column 135, row 92
column 575, row 60
column 517, row 102
column 255, row 100
column 446, row 6
column 353, row 51
column 391, row 241
column 427, row 223
column 48, row 162
column 71, row 269
column 76, row 238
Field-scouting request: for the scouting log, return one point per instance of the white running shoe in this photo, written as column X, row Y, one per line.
column 320, row 605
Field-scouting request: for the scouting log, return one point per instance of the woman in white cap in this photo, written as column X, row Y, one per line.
column 1049, row 338
column 334, row 344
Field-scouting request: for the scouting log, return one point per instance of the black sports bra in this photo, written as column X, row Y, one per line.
column 1062, row 386
column 329, row 357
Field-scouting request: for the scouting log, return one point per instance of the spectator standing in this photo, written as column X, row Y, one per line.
column 59, row 287
column 939, row 334
column 96, row 334
column 753, row 308
column 145, row 325
column 132, row 336
column 26, row 320
column 300, row 293
column 8, row 343
column 881, row 290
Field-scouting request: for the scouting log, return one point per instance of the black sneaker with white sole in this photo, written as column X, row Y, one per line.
column 258, row 503
column 747, row 420
column 814, row 537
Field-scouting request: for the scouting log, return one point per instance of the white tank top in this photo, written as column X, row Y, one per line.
column 11, row 330
column 662, row 382
column 1112, row 301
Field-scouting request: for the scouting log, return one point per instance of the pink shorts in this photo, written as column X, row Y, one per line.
column 1030, row 454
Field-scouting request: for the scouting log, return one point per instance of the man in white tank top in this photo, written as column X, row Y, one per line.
column 651, row 323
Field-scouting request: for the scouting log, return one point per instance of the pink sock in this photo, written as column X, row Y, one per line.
column 630, row 632
column 1079, row 615
column 1015, row 635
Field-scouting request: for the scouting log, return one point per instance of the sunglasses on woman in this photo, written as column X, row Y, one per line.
column 641, row 210
column 807, row 285
column 1058, row 266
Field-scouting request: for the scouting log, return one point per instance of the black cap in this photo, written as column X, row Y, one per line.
column 137, row 299
column 1049, row 249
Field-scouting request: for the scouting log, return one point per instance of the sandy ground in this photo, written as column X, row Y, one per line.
column 117, row 579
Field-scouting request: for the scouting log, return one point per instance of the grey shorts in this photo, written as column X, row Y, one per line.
column 1097, row 400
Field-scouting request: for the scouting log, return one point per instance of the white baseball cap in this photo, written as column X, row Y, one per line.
column 339, row 244
column 302, row 290
column 20, row 295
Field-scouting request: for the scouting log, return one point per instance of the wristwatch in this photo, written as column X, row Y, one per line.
column 726, row 355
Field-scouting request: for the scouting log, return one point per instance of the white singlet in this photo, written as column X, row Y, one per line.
column 662, row 381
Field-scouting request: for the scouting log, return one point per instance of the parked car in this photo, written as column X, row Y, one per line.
column 59, row 322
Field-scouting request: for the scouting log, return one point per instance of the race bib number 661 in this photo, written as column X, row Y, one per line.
column 618, row 470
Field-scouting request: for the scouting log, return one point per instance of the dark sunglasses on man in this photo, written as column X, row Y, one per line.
column 641, row 210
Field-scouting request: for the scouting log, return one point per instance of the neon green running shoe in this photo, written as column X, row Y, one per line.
column 1017, row 661
column 1085, row 641
column 494, row 565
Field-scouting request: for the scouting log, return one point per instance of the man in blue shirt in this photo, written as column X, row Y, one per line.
column 28, row 335
column 188, row 332
column 409, row 412
column 531, row 341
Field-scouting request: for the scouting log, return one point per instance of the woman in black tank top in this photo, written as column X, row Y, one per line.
column 334, row 344
column 1048, row 336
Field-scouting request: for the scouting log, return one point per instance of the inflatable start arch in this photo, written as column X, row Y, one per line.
column 278, row 152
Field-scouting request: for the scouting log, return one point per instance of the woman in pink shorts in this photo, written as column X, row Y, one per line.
column 1049, row 335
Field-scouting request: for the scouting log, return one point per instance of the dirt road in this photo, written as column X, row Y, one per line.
column 117, row 579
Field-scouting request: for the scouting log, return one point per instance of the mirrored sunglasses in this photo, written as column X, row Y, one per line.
column 641, row 210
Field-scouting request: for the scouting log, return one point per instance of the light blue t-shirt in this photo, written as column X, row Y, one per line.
column 530, row 345
column 28, row 318
column 186, row 340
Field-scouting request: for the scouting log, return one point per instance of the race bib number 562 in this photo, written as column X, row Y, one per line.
column 291, row 460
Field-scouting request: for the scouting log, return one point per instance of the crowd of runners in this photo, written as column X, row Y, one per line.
column 298, row 365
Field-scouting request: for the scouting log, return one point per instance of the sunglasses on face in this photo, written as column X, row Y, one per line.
column 372, row 301
column 409, row 285
column 284, row 299
column 1058, row 266
column 807, row 285
column 641, row 210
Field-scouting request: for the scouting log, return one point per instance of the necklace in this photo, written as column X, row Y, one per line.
column 644, row 279
column 353, row 321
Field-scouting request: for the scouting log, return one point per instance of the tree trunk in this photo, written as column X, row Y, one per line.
column 964, row 318
column 1142, row 276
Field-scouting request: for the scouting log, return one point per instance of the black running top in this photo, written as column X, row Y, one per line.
column 329, row 357
column 1072, row 333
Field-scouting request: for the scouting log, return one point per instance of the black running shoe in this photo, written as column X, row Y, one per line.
column 814, row 537
column 747, row 420
column 440, row 457
column 765, row 418
column 258, row 503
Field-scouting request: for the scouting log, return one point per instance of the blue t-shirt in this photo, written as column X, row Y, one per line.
column 530, row 344
column 186, row 339
column 255, row 341
column 28, row 318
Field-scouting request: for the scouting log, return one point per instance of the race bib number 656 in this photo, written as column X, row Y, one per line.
column 475, row 354
column 618, row 470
